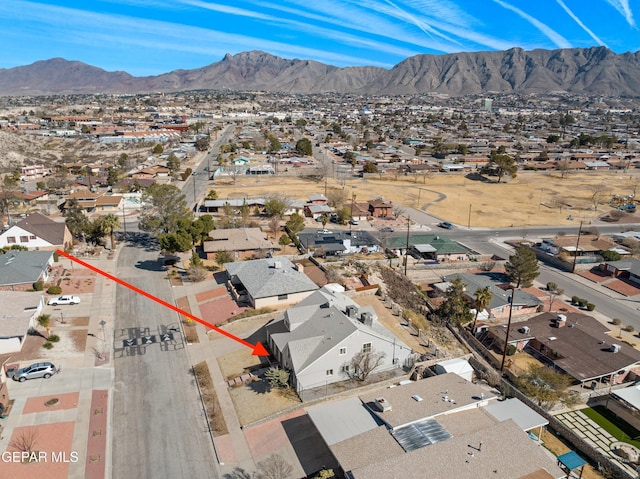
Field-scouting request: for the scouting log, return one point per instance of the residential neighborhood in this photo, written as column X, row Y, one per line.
column 374, row 287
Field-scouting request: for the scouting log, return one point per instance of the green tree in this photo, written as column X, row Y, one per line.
column 455, row 307
column 158, row 150
column 274, row 143
column 196, row 260
column 522, row 267
column 275, row 206
column 175, row 242
column 200, row 228
column 369, row 167
column 202, row 144
column 41, row 186
column 343, row 214
column 76, row 219
column 212, row 195
column 44, row 320
column 284, row 240
column 482, row 298
column 295, row 223
column 304, row 147
column 277, row 378
column 223, row 257
column 164, row 207
column 553, row 138
column 107, row 226
column 611, row 256
column 173, row 163
column 544, row 385
column 503, row 164
column 113, row 176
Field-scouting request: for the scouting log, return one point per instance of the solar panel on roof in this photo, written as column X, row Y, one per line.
column 420, row 434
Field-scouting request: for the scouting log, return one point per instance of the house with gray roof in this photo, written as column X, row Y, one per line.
column 20, row 269
column 523, row 302
column 628, row 268
column 268, row 282
column 317, row 339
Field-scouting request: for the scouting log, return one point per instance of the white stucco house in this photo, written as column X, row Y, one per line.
column 317, row 339
column 37, row 232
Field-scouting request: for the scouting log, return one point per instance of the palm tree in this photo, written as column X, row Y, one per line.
column 325, row 219
column 482, row 299
column 44, row 320
column 108, row 225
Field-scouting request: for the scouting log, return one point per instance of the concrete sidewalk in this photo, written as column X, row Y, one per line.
column 232, row 450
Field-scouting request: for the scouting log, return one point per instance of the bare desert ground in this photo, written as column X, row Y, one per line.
column 533, row 198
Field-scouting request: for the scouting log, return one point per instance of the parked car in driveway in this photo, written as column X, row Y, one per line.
column 64, row 299
column 37, row 370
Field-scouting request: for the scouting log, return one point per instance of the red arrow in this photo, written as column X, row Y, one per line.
column 258, row 348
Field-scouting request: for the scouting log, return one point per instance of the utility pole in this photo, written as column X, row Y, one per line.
column 469, row 221
column 406, row 251
column 506, row 338
column 575, row 253
column 124, row 221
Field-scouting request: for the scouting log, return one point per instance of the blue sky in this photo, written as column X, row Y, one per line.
column 148, row 37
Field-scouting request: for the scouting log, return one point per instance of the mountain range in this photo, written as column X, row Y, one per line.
column 594, row 71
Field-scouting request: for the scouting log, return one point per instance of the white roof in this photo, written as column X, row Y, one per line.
column 513, row 408
column 341, row 420
column 630, row 394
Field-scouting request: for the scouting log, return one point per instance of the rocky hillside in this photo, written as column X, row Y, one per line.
column 593, row 70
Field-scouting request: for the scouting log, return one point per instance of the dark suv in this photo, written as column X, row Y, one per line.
column 37, row 370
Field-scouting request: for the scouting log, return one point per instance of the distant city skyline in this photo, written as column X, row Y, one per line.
column 149, row 37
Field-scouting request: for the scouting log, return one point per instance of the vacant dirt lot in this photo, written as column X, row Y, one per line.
column 533, row 198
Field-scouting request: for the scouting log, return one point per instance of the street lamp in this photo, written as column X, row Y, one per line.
column 506, row 339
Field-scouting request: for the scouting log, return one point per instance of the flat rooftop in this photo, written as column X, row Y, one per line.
column 443, row 394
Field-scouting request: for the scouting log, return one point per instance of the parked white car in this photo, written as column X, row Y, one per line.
column 64, row 299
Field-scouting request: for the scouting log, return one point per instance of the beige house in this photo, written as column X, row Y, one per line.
column 241, row 242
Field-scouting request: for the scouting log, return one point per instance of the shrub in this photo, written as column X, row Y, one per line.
column 511, row 349
column 629, row 329
column 616, row 321
column 591, row 306
column 38, row 286
column 551, row 286
column 54, row 290
column 54, row 338
column 47, row 345
column 583, row 302
column 575, row 299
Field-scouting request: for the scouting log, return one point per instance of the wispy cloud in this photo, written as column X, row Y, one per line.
column 96, row 29
column 624, row 9
column 579, row 22
column 551, row 34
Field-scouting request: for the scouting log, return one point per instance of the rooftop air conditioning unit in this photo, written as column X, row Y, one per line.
column 524, row 329
column 561, row 321
column 352, row 310
column 367, row 318
column 382, row 404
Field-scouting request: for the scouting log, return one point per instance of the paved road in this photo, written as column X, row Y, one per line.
column 159, row 428
column 196, row 186
column 489, row 241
